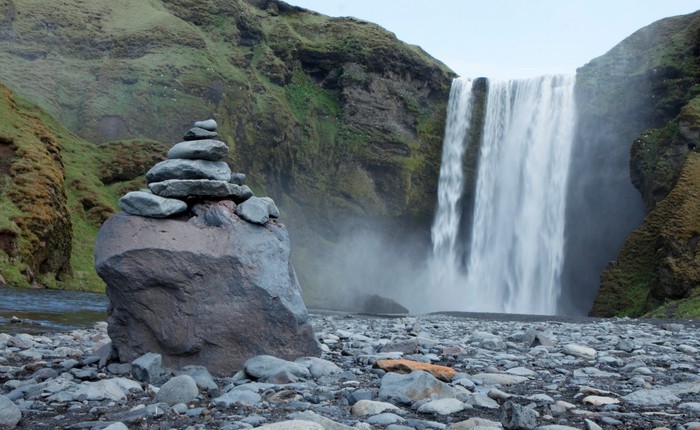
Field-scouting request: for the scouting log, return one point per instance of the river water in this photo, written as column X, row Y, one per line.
column 42, row 311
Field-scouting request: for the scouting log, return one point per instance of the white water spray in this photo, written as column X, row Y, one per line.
column 517, row 238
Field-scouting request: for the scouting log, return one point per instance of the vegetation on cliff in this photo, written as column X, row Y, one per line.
column 334, row 118
column 653, row 90
column 56, row 191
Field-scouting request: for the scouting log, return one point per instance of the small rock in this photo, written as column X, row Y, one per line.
column 148, row 368
column 208, row 124
column 237, row 178
column 238, row 397
column 600, row 400
column 580, row 351
column 319, row 367
column 150, row 205
column 198, row 133
column 516, row 417
column 655, row 397
column 271, row 207
column 188, row 169
column 180, row 389
column 371, row 407
column 254, row 210
column 264, row 366
column 205, row 149
column 10, row 414
column 442, row 407
column 498, row 378
column 415, row 386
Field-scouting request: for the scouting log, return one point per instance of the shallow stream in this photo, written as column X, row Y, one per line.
column 41, row 311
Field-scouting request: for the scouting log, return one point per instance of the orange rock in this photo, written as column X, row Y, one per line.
column 443, row 373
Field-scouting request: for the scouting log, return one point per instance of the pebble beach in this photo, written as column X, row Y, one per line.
column 435, row 371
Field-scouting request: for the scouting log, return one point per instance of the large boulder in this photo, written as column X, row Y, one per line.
column 200, row 292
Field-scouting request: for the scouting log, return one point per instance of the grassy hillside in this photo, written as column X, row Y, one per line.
column 56, row 191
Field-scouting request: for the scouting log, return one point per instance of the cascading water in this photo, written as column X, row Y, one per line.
column 517, row 241
column 445, row 229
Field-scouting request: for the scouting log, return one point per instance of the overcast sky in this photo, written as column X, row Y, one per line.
column 508, row 38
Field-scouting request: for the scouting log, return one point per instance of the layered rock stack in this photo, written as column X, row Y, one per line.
column 196, row 168
column 197, row 268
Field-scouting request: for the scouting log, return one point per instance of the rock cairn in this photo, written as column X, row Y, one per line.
column 196, row 269
column 196, row 168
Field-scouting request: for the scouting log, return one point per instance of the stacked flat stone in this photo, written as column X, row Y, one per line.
column 196, row 169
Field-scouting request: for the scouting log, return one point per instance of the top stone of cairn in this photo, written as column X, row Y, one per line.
column 209, row 124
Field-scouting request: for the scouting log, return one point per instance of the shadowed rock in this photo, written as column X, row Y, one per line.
column 200, row 188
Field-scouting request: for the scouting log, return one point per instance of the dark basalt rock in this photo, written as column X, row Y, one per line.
column 197, row 293
column 197, row 133
column 200, row 188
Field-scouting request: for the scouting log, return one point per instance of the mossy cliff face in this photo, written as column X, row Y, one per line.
column 335, row 119
column 54, row 194
column 644, row 94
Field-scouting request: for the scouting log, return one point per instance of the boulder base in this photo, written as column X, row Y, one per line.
column 200, row 294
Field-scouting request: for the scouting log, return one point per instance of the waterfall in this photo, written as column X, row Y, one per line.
column 517, row 237
column 445, row 230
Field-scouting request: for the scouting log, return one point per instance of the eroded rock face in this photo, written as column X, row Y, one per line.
column 202, row 292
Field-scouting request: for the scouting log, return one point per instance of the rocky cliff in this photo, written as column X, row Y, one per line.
column 334, row 118
column 642, row 95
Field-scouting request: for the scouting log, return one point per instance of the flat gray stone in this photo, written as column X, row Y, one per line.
column 100, row 390
column 180, row 389
column 146, row 204
column 204, row 149
column 371, row 407
column 10, row 414
column 655, row 397
column 197, row 133
column 181, row 188
column 385, row 419
column 498, row 378
column 238, row 397
column 189, row 169
column 442, row 407
column 254, row 210
column 319, row 366
column 415, row 386
column 265, row 366
column 207, row 124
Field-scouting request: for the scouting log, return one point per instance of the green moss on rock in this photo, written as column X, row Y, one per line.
column 660, row 261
